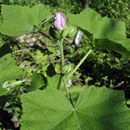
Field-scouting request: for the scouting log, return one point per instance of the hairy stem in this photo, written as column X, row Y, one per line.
column 62, row 62
column 62, row 81
column 62, row 54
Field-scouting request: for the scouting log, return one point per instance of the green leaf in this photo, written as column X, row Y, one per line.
column 44, row 109
column 103, row 109
column 8, row 69
column 53, row 81
column 1, row 42
column 18, row 20
column 0, row 19
column 103, row 29
column 96, row 109
column 75, row 91
column 52, row 77
column 92, row 22
column 37, row 82
column 121, row 46
column 2, row 91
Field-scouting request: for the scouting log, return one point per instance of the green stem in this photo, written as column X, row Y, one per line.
column 62, row 80
column 62, row 55
column 62, row 62
column 82, row 60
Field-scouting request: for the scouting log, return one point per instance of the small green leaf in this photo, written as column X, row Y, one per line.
column 53, row 81
column 2, row 91
column 18, row 20
column 37, row 82
column 96, row 109
column 8, row 69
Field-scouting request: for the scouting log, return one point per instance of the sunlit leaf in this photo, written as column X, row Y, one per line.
column 96, row 109
column 109, row 33
column 53, row 81
column 37, row 82
column 8, row 68
column 18, row 20
column 2, row 91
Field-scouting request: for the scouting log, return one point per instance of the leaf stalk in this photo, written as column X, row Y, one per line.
column 79, row 64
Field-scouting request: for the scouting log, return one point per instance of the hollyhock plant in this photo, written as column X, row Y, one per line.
column 59, row 20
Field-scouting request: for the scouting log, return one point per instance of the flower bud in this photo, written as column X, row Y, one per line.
column 59, row 20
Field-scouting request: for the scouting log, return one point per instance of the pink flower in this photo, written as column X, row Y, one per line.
column 59, row 20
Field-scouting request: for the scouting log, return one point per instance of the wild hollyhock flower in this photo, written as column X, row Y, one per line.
column 59, row 20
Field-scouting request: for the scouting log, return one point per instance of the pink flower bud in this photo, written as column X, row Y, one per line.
column 59, row 20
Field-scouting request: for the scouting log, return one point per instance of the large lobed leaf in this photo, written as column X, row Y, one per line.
column 104, row 29
column 96, row 109
column 18, row 20
column 8, row 68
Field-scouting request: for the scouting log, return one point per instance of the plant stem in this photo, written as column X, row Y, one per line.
column 82, row 60
column 62, row 54
column 62, row 80
column 62, row 63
